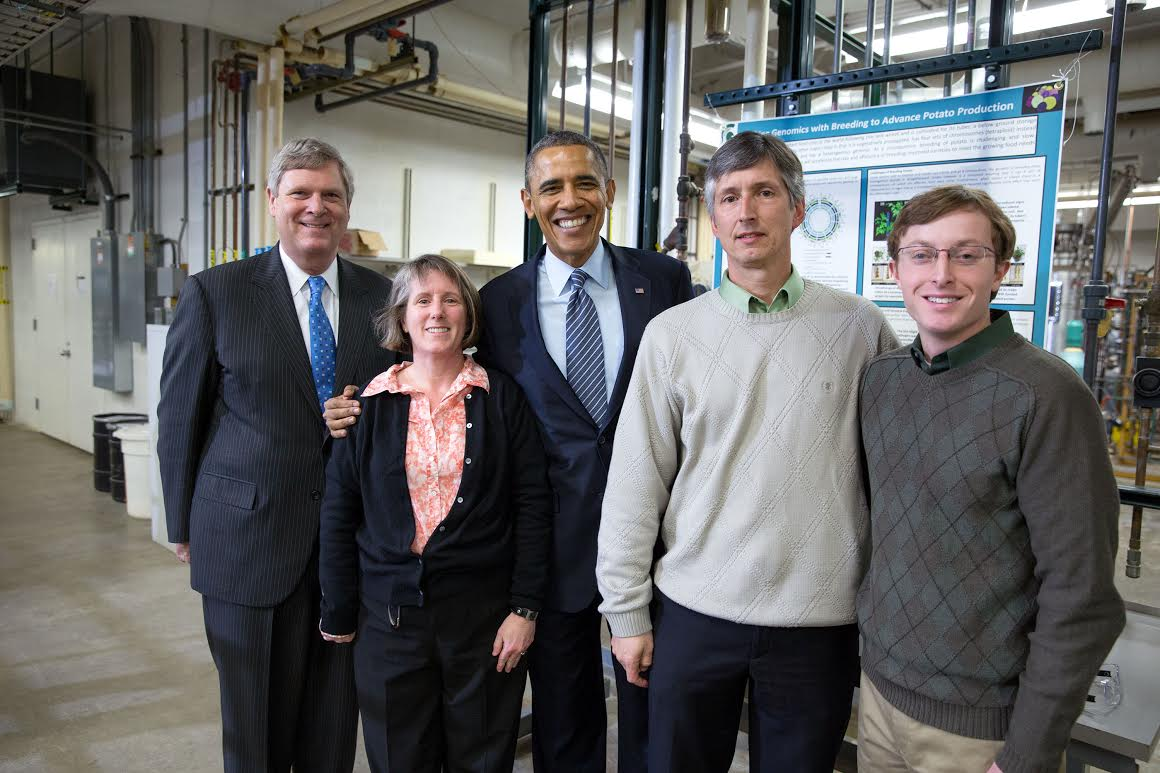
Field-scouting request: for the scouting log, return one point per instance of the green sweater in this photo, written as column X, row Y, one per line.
column 989, row 602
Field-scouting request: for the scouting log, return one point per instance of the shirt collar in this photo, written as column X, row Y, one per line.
column 972, row 349
column 597, row 267
column 298, row 277
column 470, row 375
column 783, row 299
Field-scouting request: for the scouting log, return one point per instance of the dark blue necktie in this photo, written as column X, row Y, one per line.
column 321, row 343
column 584, row 350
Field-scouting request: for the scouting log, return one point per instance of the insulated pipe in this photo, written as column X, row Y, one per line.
column 675, row 55
column 109, row 224
column 296, row 25
column 756, row 50
column 431, row 77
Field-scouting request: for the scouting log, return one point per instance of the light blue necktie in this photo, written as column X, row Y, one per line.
column 322, row 346
column 584, row 350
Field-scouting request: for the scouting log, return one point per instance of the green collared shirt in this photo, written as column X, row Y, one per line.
column 973, row 348
column 783, row 300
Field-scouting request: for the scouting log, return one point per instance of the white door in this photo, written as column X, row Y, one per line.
column 51, row 337
column 64, row 329
column 83, row 401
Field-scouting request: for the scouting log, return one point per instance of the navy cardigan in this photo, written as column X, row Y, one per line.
column 496, row 538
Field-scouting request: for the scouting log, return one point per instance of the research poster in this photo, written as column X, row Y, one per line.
column 862, row 166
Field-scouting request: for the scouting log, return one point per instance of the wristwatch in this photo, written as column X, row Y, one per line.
column 528, row 614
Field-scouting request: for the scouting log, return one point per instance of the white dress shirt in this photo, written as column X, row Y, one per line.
column 300, row 292
column 553, row 307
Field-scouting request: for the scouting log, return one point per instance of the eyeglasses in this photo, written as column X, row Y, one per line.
column 962, row 255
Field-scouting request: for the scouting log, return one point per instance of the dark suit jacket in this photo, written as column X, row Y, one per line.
column 578, row 451
column 240, row 431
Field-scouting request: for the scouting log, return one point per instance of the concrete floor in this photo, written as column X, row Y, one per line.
column 103, row 661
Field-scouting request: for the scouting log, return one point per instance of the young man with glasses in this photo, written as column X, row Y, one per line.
column 989, row 603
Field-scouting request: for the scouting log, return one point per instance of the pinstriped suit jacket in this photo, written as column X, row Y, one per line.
column 240, row 432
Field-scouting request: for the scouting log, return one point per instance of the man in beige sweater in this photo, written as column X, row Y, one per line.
column 738, row 448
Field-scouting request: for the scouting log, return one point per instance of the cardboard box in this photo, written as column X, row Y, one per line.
column 356, row 241
column 481, row 257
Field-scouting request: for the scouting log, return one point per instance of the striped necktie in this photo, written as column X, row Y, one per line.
column 322, row 346
column 584, row 350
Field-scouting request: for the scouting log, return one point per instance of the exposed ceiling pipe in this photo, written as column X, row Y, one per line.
column 300, row 24
column 432, row 75
column 373, row 15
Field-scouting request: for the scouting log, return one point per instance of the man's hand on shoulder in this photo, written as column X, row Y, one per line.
column 635, row 653
column 341, row 411
column 182, row 549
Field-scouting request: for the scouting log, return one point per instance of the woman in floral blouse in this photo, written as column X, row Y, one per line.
column 434, row 538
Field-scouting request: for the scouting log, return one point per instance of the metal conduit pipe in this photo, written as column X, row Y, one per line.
column 839, row 23
column 109, row 221
column 431, row 77
column 564, row 64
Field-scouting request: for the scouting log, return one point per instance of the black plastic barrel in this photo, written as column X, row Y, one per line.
column 104, row 424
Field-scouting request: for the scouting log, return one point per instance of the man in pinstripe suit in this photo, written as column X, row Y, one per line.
column 250, row 357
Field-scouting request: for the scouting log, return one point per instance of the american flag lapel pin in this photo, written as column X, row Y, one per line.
column 640, row 291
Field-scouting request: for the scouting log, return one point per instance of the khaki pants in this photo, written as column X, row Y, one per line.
column 890, row 741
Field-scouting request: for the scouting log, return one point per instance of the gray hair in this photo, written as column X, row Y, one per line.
column 747, row 150
column 559, row 139
column 388, row 320
column 308, row 153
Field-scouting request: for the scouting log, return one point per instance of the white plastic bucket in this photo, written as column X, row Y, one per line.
column 135, row 448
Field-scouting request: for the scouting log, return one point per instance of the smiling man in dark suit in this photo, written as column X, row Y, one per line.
column 250, row 358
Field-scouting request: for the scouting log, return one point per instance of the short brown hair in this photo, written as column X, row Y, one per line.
column 938, row 202
column 389, row 320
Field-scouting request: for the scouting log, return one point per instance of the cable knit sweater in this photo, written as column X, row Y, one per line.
column 738, row 445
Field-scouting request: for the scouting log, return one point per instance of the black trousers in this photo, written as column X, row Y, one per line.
column 801, row 684
column 430, row 697
column 569, row 722
column 287, row 696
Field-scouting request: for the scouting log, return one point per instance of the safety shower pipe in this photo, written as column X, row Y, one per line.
column 431, row 77
column 109, row 224
column 1096, row 291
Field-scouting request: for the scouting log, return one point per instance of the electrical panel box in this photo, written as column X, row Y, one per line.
column 42, row 98
column 112, row 354
column 140, row 254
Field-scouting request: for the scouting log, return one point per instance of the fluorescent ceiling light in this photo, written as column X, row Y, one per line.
column 703, row 128
column 1033, row 20
column 1134, row 201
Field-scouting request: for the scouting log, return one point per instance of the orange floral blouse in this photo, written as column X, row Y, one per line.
column 436, row 442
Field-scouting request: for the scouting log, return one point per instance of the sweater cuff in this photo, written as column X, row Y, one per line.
column 338, row 621
column 1011, row 761
column 634, row 623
